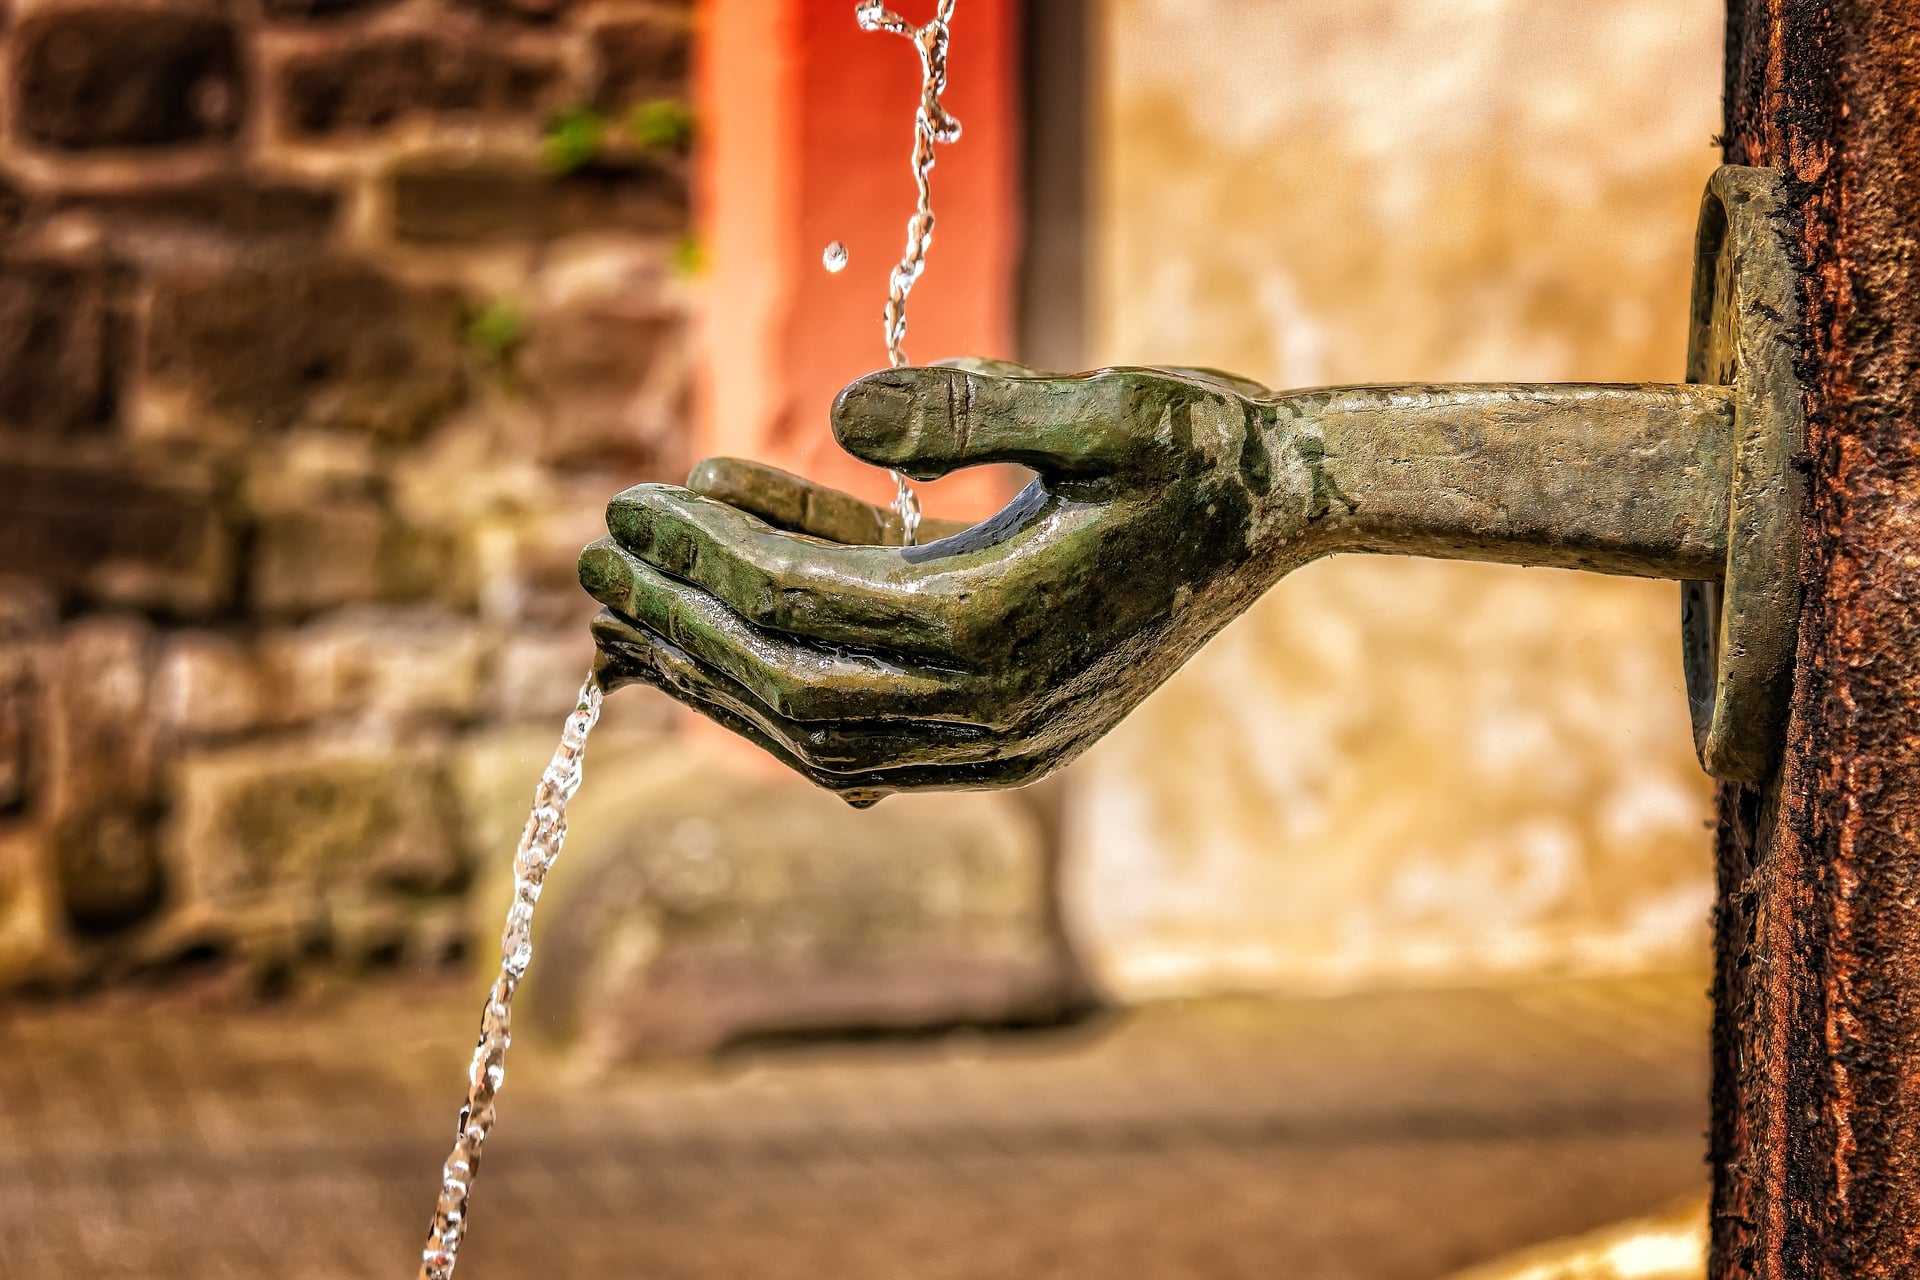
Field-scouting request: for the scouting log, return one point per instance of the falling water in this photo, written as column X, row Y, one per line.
column 540, row 842
column 546, row 829
column 931, row 124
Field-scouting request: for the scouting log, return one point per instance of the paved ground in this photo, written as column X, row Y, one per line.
column 1394, row 1137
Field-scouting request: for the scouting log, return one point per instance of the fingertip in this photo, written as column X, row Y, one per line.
column 631, row 514
column 881, row 417
column 714, row 477
column 603, row 572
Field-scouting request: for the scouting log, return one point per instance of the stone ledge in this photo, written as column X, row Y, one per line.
column 697, row 906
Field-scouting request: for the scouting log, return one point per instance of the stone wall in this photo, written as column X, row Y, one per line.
column 326, row 329
column 1403, row 771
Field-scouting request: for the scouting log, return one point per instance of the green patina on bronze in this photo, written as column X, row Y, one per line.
column 1165, row 502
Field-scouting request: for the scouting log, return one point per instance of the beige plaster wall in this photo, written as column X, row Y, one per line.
column 1402, row 770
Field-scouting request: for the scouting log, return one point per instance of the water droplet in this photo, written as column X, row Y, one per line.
column 835, row 257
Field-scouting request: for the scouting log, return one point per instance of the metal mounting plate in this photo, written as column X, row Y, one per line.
column 1738, row 634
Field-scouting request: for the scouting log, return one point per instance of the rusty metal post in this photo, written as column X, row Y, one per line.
column 1816, row 1104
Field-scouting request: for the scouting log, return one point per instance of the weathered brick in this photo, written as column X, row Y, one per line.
column 319, row 10
column 375, row 83
column 207, row 684
column 19, row 711
column 535, row 676
column 63, row 339
column 92, row 78
column 29, row 908
column 312, row 821
column 99, row 735
column 324, row 557
column 612, row 381
column 642, row 58
column 311, row 343
column 28, row 610
column 102, row 779
column 455, row 201
column 233, row 207
column 540, row 554
column 13, row 207
column 391, row 666
column 117, row 534
column 539, row 12
column 107, row 865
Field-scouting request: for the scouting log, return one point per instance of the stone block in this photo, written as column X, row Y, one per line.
column 311, row 823
column 319, row 10
column 460, row 75
column 116, row 534
column 96, row 708
column 63, row 338
column 642, row 58
column 107, row 864
column 19, row 712
column 387, row 666
column 542, row 566
column 538, row 12
column 151, row 221
column 453, row 200
column 612, row 380
column 101, row 791
column 314, row 343
column 535, row 676
column 696, row 905
column 209, row 685
column 28, row 609
column 127, row 78
column 353, row 553
column 14, row 207
column 367, row 933
column 31, row 940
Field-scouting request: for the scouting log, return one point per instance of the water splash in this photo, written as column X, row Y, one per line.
column 540, row 843
column 931, row 124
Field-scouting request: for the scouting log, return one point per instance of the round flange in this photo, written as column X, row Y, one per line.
column 1738, row 634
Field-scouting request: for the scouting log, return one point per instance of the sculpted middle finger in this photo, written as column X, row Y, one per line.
column 797, row 680
column 872, row 597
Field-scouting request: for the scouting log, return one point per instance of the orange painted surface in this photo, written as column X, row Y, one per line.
column 807, row 128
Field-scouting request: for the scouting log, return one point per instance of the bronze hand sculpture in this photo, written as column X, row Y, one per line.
column 1165, row 501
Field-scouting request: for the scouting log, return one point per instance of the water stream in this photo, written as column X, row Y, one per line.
column 546, row 829
column 931, row 124
column 540, row 843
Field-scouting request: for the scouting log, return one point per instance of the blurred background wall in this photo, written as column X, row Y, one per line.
column 327, row 327
column 1400, row 770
